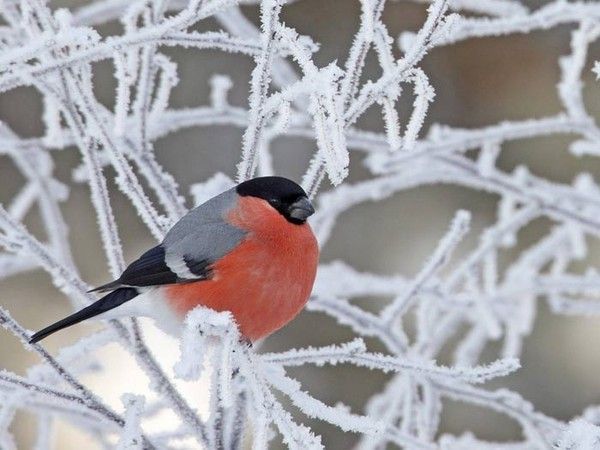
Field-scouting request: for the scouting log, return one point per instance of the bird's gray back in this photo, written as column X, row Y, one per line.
column 203, row 234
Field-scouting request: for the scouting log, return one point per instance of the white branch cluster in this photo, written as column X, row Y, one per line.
column 292, row 96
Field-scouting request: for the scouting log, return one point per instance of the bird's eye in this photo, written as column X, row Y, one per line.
column 274, row 202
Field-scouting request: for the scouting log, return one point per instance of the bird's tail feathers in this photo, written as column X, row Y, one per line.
column 106, row 303
column 107, row 287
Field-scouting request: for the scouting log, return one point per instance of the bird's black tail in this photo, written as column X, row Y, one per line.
column 104, row 304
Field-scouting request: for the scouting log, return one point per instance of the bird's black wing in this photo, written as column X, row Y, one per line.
column 151, row 269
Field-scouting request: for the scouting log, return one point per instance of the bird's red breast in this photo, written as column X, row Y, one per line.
column 265, row 281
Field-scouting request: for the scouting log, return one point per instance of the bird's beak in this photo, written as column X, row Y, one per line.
column 301, row 209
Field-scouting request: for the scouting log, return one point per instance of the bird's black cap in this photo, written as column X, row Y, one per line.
column 271, row 187
column 282, row 194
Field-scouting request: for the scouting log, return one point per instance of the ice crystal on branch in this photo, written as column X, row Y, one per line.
column 472, row 301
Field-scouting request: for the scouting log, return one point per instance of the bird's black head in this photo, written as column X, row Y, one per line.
column 282, row 194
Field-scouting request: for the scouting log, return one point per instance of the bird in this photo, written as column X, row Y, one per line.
column 248, row 250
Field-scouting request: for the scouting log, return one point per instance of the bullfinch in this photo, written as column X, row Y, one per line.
column 248, row 250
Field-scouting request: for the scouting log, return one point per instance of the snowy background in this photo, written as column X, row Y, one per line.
column 522, row 290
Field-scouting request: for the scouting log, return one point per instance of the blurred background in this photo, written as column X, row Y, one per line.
column 478, row 82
